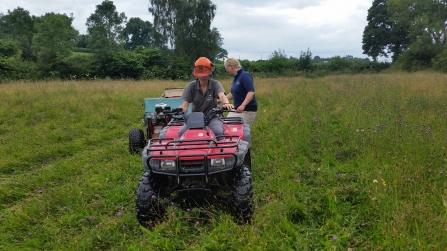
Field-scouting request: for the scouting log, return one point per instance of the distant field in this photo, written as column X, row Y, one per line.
column 339, row 163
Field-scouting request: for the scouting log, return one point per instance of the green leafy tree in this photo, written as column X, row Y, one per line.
column 222, row 54
column 81, row 41
column 305, row 60
column 186, row 26
column 193, row 33
column 426, row 22
column 164, row 13
column 423, row 17
column 433, row 20
column 440, row 61
column 214, row 44
column 53, row 38
column 386, row 32
column 8, row 47
column 317, row 59
column 277, row 62
column 419, row 55
column 399, row 37
column 2, row 23
column 281, row 54
column 137, row 33
column 375, row 36
column 104, row 27
column 18, row 25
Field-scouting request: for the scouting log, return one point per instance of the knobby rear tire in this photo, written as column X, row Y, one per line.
column 149, row 208
column 136, row 140
column 241, row 201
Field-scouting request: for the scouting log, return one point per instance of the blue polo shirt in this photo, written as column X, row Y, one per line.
column 241, row 85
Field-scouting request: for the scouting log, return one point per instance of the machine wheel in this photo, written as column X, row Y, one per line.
column 241, row 201
column 148, row 208
column 136, row 140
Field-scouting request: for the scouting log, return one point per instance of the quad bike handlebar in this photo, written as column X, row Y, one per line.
column 178, row 113
column 216, row 112
column 219, row 109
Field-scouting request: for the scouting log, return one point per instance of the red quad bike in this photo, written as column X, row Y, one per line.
column 197, row 168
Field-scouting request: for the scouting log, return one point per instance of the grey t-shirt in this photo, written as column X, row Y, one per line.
column 202, row 102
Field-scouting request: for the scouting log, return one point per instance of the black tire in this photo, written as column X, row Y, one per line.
column 241, row 201
column 148, row 206
column 136, row 140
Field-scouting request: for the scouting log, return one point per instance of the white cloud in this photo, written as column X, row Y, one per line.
column 283, row 4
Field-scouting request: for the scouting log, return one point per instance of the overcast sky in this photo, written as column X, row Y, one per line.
column 251, row 29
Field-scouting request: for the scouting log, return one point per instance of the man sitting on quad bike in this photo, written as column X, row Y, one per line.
column 203, row 94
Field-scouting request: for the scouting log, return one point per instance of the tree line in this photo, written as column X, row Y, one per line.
column 49, row 47
column 412, row 32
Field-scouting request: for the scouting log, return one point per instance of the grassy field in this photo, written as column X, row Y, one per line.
column 339, row 163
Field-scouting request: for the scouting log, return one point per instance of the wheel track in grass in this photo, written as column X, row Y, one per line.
column 14, row 188
column 94, row 184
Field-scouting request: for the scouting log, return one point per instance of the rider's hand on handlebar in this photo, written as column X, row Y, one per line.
column 228, row 106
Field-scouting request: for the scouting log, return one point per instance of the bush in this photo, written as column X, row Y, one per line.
column 440, row 61
column 178, row 68
column 118, row 65
column 76, row 68
column 151, row 57
column 277, row 64
column 23, row 69
column 358, row 66
column 78, row 49
column 337, row 64
column 419, row 55
column 12, row 67
column 305, row 61
column 8, row 47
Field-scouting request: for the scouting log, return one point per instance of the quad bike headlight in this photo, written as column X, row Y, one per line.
column 162, row 165
column 166, row 165
column 218, row 162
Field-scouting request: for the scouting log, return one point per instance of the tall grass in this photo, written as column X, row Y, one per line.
column 341, row 162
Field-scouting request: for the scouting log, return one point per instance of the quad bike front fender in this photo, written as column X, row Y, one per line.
column 241, row 153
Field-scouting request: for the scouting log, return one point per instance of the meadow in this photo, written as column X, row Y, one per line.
column 339, row 163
